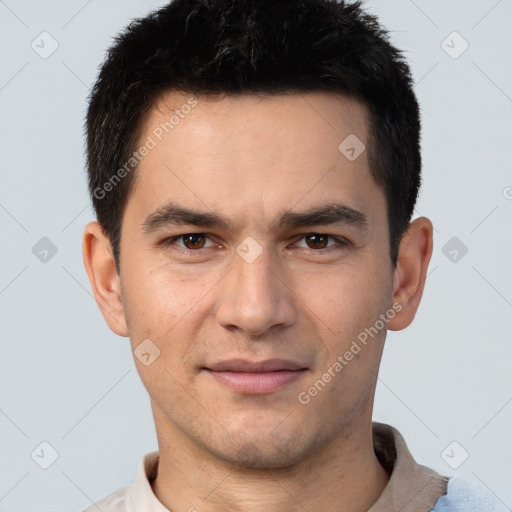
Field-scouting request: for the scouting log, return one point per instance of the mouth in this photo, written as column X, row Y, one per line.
column 256, row 378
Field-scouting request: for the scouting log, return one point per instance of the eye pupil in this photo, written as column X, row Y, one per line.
column 316, row 241
column 193, row 241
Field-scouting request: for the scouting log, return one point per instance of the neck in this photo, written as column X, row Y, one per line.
column 342, row 476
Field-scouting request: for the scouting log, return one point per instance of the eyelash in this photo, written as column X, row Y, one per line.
column 341, row 243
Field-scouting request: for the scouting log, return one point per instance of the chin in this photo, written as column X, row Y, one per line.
column 259, row 453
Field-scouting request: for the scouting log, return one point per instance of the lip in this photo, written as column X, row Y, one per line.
column 268, row 365
column 253, row 378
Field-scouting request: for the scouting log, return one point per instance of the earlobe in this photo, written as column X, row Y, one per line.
column 106, row 284
column 411, row 271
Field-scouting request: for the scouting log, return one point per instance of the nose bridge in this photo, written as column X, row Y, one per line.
column 253, row 298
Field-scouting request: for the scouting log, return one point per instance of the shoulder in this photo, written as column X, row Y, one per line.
column 137, row 496
column 115, row 502
column 463, row 496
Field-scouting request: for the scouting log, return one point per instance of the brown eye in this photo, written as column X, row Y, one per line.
column 193, row 241
column 317, row 241
column 189, row 243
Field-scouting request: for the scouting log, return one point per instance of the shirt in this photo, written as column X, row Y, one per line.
column 411, row 487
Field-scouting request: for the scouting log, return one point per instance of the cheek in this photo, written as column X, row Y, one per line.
column 343, row 304
column 163, row 308
column 158, row 302
column 347, row 299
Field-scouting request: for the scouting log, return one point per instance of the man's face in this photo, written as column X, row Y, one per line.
column 260, row 300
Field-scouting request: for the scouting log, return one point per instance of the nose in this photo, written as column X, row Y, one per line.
column 254, row 296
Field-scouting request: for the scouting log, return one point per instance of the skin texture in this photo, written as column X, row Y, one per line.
column 250, row 160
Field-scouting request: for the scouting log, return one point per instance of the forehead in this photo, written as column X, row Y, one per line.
column 317, row 118
column 252, row 155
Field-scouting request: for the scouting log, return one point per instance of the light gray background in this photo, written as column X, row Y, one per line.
column 67, row 380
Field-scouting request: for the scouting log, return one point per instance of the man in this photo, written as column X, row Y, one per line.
column 254, row 166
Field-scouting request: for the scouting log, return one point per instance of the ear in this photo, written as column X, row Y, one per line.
column 411, row 271
column 106, row 284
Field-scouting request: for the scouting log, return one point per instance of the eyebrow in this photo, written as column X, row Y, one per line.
column 324, row 215
column 172, row 214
